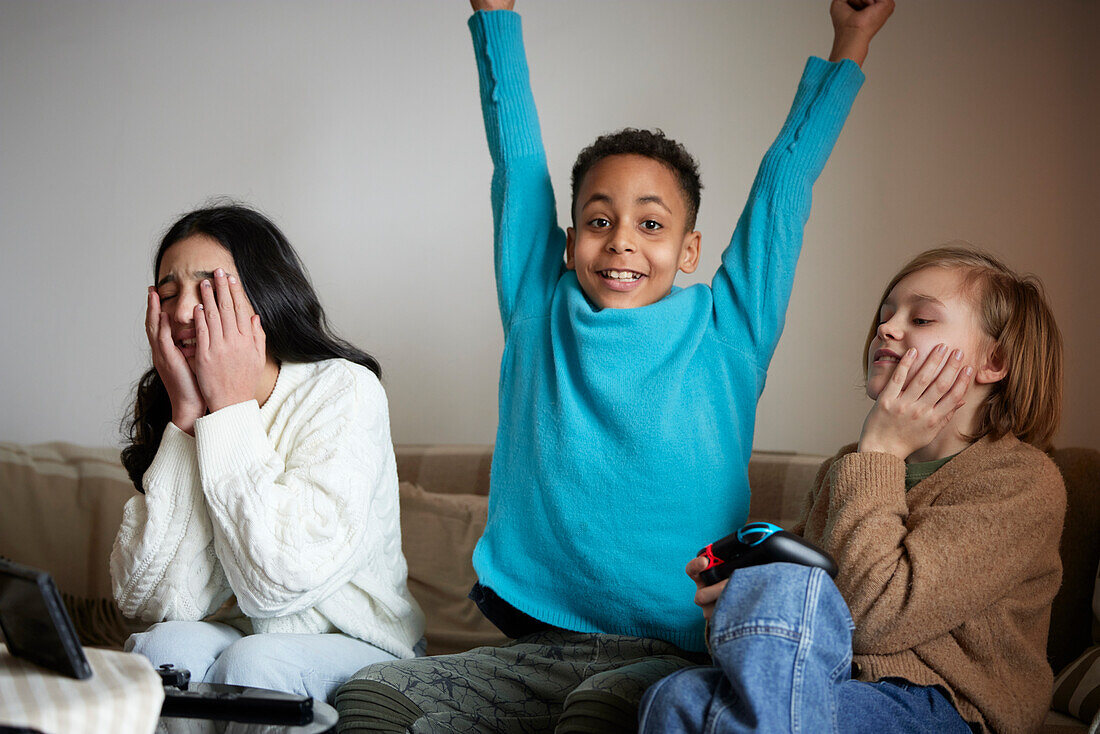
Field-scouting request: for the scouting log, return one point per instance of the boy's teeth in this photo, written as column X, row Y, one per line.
column 621, row 275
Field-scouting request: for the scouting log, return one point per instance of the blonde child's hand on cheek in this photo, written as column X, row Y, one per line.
column 706, row 596
column 231, row 346
column 172, row 368
column 910, row 413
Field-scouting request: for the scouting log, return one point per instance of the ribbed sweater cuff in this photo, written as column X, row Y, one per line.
column 175, row 464
column 505, row 85
column 866, row 478
column 230, row 441
column 821, row 105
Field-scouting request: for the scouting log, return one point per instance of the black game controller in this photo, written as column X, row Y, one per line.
column 758, row 543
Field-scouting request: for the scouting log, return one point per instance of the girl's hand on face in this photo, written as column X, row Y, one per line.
column 909, row 414
column 230, row 344
column 706, row 596
column 183, row 390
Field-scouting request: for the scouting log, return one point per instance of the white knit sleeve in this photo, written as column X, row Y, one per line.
column 290, row 511
column 163, row 564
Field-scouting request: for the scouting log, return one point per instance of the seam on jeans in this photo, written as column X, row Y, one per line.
column 654, row 690
column 724, row 706
column 721, row 705
column 844, row 667
column 749, row 629
column 805, row 645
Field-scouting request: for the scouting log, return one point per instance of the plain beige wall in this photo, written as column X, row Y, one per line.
column 356, row 126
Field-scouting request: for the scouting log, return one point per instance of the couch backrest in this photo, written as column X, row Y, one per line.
column 446, row 468
column 60, row 507
column 780, row 479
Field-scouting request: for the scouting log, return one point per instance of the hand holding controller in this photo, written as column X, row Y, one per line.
column 758, row 543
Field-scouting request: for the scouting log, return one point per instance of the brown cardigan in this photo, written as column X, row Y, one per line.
column 951, row 583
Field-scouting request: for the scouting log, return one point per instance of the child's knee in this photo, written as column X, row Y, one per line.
column 406, row 675
column 441, row 688
column 186, row 645
column 784, row 595
column 250, row 661
column 151, row 643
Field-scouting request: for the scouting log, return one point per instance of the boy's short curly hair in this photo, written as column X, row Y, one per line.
column 651, row 144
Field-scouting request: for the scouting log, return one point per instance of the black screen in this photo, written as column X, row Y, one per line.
column 35, row 624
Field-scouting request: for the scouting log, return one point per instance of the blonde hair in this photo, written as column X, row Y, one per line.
column 1016, row 318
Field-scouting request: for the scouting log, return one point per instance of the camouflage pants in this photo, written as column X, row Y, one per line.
column 549, row 681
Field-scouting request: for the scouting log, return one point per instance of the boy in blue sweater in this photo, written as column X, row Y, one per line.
column 626, row 403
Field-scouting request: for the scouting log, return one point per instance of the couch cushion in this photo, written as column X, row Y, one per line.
column 62, row 505
column 438, row 534
column 1071, row 615
column 62, row 508
column 1077, row 688
column 1058, row 723
column 779, row 482
column 446, row 469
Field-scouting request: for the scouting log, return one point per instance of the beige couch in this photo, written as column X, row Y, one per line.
column 61, row 504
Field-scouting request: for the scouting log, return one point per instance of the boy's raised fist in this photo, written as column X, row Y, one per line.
column 492, row 4
column 862, row 16
column 855, row 23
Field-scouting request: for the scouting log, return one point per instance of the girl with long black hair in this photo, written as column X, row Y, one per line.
column 264, row 539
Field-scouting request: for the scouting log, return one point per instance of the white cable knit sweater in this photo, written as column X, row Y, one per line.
column 292, row 507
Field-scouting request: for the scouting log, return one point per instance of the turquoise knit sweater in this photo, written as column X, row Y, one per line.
column 624, row 434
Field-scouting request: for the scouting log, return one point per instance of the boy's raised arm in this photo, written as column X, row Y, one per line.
column 753, row 284
column 528, row 245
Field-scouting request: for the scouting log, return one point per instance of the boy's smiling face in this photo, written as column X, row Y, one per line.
column 631, row 236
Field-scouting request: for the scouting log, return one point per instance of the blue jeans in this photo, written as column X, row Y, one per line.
column 781, row 637
column 309, row 665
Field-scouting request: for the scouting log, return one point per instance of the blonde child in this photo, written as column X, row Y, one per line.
column 944, row 519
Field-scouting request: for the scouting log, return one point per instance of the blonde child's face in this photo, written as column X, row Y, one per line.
column 630, row 239
column 929, row 307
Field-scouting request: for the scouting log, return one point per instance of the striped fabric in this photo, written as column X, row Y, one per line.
column 124, row 695
column 1077, row 687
